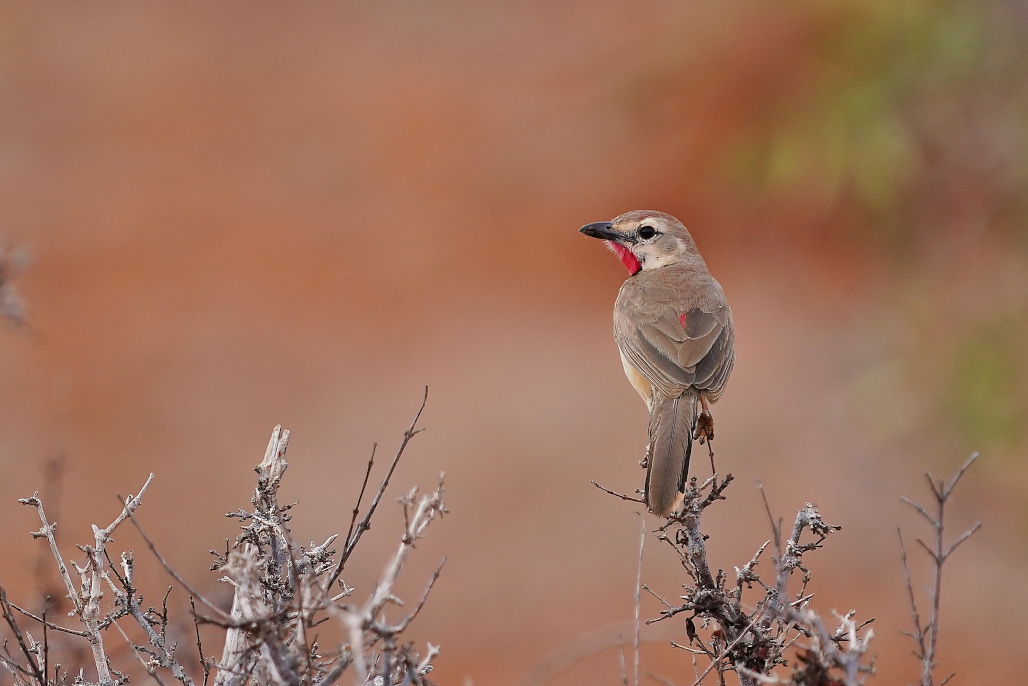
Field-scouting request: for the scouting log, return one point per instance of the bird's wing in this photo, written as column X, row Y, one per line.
column 675, row 351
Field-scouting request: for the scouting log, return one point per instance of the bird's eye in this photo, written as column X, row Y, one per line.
column 647, row 232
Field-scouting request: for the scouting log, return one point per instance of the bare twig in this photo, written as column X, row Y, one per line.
column 221, row 615
column 127, row 598
column 199, row 644
column 926, row 635
column 618, row 495
column 360, row 496
column 46, row 640
column 47, row 531
column 135, row 651
column 638, row 592
column 30, row 657
column 365, row 524
column 46, row 623
column 86, row 598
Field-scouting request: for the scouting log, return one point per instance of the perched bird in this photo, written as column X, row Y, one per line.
column 674, row 328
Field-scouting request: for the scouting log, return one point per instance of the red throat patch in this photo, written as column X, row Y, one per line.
column 630, row 261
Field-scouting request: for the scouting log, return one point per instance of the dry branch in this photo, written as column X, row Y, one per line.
column 753, row 638
column 281, row 591
column 779, row 628
column 925, row 635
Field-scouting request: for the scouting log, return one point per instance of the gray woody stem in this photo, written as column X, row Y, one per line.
column 87, row 598
column 243, row 571
column 927, row 635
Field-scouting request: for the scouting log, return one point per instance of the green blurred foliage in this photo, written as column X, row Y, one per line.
column 901, row 121
column 987, row 393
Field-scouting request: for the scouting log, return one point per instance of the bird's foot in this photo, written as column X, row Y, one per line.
column 705, row 431
column 704, row 428
column 645, row 462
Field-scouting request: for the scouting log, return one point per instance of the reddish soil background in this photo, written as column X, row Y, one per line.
column 244, row 215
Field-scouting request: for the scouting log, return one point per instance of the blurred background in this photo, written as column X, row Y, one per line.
column 243, row 214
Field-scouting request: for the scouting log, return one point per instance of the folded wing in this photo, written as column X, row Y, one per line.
column 677, row 351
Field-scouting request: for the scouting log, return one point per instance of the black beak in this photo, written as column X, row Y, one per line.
column 602, row 230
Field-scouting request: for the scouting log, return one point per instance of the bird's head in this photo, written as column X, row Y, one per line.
column 644, row 239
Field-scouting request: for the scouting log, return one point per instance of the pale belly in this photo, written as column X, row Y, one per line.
column 638, row 381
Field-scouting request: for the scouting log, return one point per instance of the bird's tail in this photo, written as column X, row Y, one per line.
column 671, row 426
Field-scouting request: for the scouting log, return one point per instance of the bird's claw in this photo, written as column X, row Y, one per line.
column 704, row 428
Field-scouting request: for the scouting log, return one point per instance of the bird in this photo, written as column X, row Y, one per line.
column 674, row 329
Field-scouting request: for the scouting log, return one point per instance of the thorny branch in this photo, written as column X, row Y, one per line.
column 92, row 578
column 753, row 640
column 281, row 592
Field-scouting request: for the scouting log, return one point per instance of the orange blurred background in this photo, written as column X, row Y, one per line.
column 247, row 214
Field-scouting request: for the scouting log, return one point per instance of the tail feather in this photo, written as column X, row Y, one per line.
column 671, row 426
